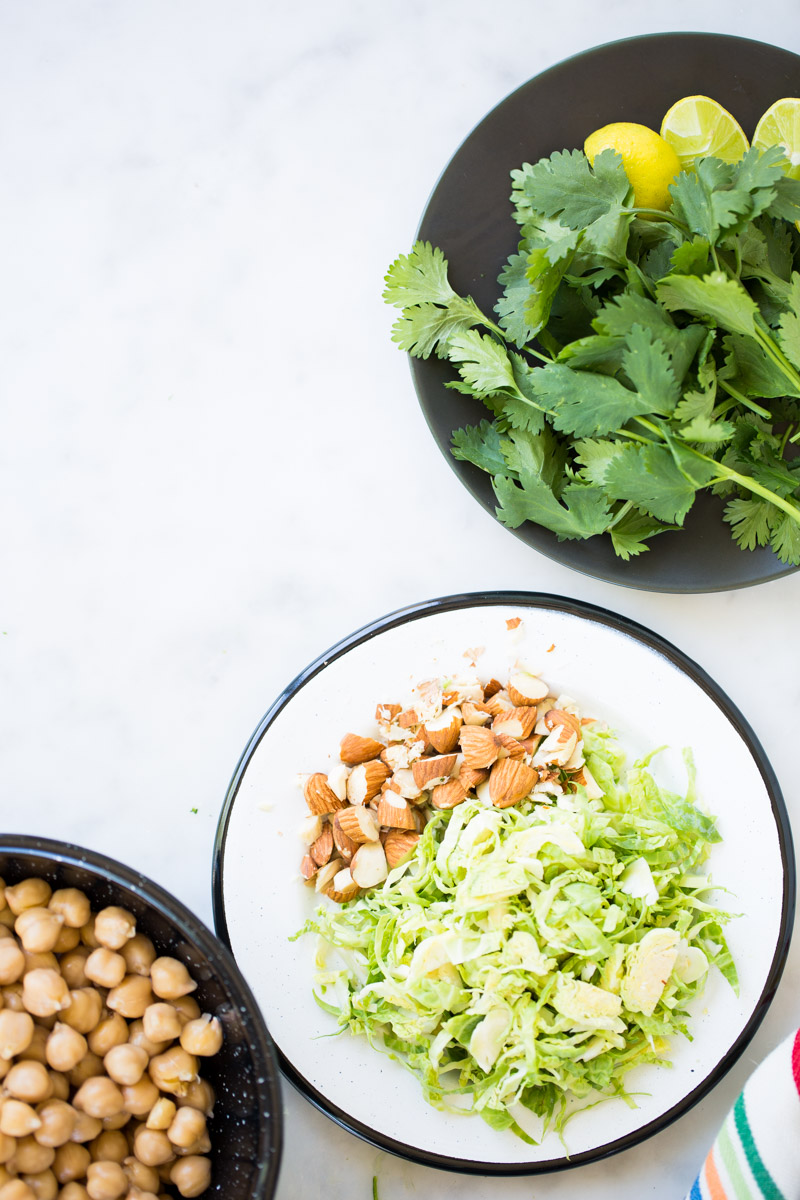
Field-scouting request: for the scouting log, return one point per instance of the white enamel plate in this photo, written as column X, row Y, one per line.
column 617, row 671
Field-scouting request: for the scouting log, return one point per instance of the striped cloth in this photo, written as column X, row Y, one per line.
column 757, row 1152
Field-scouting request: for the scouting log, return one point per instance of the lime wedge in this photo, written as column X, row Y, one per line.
column 780, row 126
column 697, row 126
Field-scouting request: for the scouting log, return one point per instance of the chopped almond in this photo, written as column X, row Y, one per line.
column 442, row 732
column 399, row 846
column 365, row 781
column 354, row 749
column 323, row 847
column 342, row 887
column 470, row 777
column 509, row 746
column 475, row 714
column 510, row 781
column 448, row 795
column 319, row 797
column 428, row 772
column 369, row 866
column 344, row 844
column 480, row 746
column 326, row 874
column 360, row 824
column 525, row 688
column 386, row 713
column 517, row 722
column 492, row 688
column 395, row 811
column 557, row 716
column 308, row 868
column 408, row 719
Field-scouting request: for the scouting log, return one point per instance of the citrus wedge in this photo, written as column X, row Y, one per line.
column 698, row 126
column 780, row 126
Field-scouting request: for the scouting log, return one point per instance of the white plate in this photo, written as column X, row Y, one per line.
column 618, row 671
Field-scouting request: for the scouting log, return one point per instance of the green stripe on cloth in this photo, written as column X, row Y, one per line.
column 730, row 1161
column 760, row 1173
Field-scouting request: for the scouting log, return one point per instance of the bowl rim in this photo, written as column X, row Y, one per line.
column 270, row 1145
column 698, row 675
column 620, row 574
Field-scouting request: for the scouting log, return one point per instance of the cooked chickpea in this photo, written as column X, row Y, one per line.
column 57, row 1123
column 139, row 954
column 28, row 1081
column 114, row 926
column 110, row 1146
column 187, row 1008
column 44, row 992
column 138, row 1037
column 87, row 935
column 12, row 997
column 83, row 1010
column 74, row 1191
column 131, row 997
column 12, row 961
column 170, row 979
column 73, row 905
column 106, row 1180
column 16, row 1032
column 118, row 1121
column 161, row 1022
column 86, row 1128
column 140, row 1176
column 105, row 967
column 173, row 1070
column 89, row 1066
column 31, row 1157
column 140, row 1097
column 43, row 1185
column 199, row 1094
column 162, row 1113
column 30, row 893
column 71, row 1162
column 7, row 1147
column 67, row 940
column 152, row 1146
column 188, row 1127
column 73, row 967
column 60, row 1085
column 99, row 1097
column 18, row 1119
column 65, row 1047
column 38, row 929
column 17, row 1189
column 7, row 918
column 202, row 1036
column 191, row 1175
column 36, row 1050
column 109, row 1031
column 126, row 1064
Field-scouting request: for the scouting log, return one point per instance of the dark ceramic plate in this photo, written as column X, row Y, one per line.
column 469, row 217
column 653, row 694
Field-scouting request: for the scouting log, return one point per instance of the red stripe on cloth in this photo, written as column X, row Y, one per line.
column 796, row 1060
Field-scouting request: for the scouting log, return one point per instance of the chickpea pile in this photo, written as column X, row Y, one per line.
column 100, row 1041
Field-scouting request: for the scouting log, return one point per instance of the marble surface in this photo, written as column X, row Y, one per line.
column 206, row 427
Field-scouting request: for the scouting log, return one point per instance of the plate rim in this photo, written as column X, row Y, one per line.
column 678, row 658
column 417, row 366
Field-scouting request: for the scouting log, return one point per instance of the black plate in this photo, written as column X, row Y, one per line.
column 469, row 217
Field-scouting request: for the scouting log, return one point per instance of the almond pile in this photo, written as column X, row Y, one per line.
column 499, row 743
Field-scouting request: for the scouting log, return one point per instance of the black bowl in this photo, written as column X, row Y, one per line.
column 469, row 217
column 246, row 1130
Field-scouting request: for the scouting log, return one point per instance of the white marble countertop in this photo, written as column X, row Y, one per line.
column 199, row 202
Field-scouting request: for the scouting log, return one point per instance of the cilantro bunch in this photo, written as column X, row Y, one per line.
column 637, row 356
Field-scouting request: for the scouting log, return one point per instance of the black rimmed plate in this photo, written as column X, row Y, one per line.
column 469, row 217
column 644, row 687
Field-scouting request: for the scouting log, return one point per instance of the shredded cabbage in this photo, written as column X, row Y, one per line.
column 531, row 956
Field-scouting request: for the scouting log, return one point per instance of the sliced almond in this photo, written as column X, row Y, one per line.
column 429, row 772
column 310, row 829
column 399, row 846
column 526, row 688
column 395, row 811
column 360, row 824
column 342, row 887
column 308, row 868
column 319, row 797
column 344, row 844
column 475, row 714
column 479, row 745
column 355, row 749
column 443, row 731
column 510, row 781
column 517, row 722
column 323, row 847
column 325, row 875
column 365, row 780
column 448, row 795
column 369, row 866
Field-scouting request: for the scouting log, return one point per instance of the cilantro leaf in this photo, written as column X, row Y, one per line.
column 751, row 371
column 691, row 258
column 647, row 365
column 628, row 534
column 427, row 327
column 786, row 204
column 544, row 280
column 597, row 352
column 482, row 363
column 749, row 521
column 565, row 186
column 581, row 512
column 703, row 200
column 510, row 308
column 418, row 278
column 480, row 444
column 715, row 296
column 584, row 403
column 785, row 539
column 650, row 479
column 594, row 455
column 702, row 429
column 789, row 324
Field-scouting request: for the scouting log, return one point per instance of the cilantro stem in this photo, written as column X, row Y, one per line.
column 636, row 437
column 778, row 357
column 740, row 399
column 786, row 435
column 657, row 212
column 750, row 485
